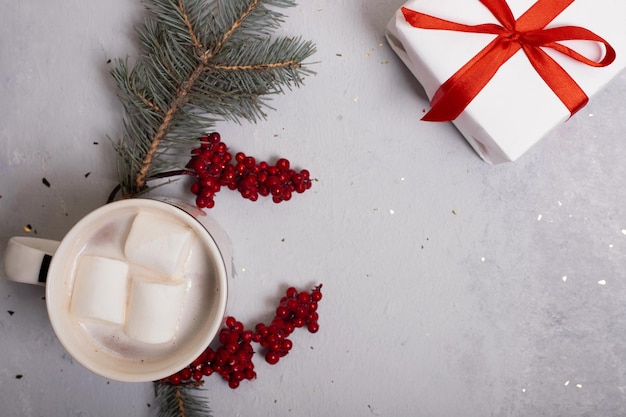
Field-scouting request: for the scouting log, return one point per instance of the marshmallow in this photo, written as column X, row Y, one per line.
column 100, row 289
column 154, row 309
column 158, row 243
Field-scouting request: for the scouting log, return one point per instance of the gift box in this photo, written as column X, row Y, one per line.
column 507, row 72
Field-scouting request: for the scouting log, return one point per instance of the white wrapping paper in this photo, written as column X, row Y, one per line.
column 516, row 108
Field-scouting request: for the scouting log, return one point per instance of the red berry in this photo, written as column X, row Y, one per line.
column 221, row 148
column 304, row 297
column 185, row 374
column 289, row 328
column 301, row 312
column 249, row 162
column 214, row 137
column 282, row 164
column 282, row 311
column 246, row 336
column 286, row 345
column 292, row 304
column 198, row 165
column 272, row 357
column 313, row 327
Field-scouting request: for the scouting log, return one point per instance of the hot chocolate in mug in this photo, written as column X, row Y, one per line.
column 136, row 290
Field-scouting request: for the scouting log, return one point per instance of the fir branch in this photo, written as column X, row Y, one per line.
column 180, row 401
column 201, row 61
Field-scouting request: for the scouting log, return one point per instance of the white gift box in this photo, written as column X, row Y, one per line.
column 516, row 108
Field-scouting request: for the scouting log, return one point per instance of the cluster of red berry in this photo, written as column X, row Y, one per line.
column 214, row 168
column 232, row 359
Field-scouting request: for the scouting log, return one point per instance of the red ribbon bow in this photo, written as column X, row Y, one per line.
column 525, row 33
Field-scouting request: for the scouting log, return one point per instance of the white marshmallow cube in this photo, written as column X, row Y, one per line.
column 158, row 243
column 100, row 289
column 154, row 309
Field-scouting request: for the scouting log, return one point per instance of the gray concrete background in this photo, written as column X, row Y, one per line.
column 452, row 288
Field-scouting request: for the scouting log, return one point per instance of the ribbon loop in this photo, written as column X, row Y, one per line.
column 527, row 33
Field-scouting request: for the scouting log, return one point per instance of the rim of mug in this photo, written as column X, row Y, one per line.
column 59, row 314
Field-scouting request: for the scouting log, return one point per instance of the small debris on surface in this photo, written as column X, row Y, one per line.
column 45, row 182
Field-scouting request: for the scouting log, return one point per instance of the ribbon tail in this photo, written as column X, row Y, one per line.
column 559, row 81
column 458, row 91
column 424, row 21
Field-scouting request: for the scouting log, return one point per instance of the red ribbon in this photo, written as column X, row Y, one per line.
column 527, row 33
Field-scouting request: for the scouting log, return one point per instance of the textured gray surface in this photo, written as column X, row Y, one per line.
column 452, row 288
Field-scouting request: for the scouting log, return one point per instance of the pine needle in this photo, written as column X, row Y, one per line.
column 180, row 401
column 201, row 61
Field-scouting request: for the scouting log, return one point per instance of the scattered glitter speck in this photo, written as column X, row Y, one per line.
column 590, row 114
column 523, row 389
column 392, row 212
column 539, row 217
column 610, row 245
column 602, row 282
column 564, row 278
column 566, row 383
column 559, row 203
column 243, row 269
column 402, row 179
column 624, row 231
column 356, row 98
column 579, row 385
column 482, row 259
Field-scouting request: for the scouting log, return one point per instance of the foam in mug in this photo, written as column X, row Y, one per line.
column 144, row 291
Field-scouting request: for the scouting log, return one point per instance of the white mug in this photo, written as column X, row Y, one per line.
column 136, row 290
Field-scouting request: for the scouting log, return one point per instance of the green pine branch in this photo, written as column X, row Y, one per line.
column 180, row 401
column 201, row 61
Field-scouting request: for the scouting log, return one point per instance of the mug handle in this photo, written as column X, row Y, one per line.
column 27, row 259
